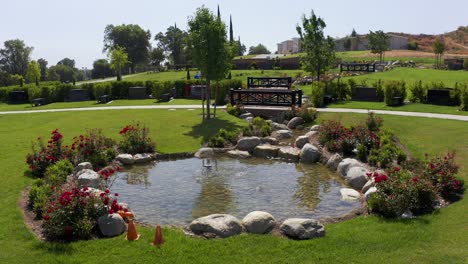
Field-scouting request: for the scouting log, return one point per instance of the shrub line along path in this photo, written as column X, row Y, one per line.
column 326, row 110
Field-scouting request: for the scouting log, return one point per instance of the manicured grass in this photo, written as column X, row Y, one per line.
column 20, row 107
column 437, row 238
column 409, row 107
column 410, row 75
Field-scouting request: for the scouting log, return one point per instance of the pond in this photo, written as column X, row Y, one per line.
column 178, row 191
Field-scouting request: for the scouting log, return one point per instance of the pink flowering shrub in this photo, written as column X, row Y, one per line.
column 442, row 172
column 43, row 155
column 136, row 139
column 401, row 191
column 93, row 147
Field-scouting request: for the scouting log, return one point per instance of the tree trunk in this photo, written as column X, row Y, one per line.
column 208, row 92
column 216, row 99
column 203, row 102
column 119, row 75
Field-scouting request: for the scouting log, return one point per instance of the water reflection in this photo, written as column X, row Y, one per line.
column 176, row 192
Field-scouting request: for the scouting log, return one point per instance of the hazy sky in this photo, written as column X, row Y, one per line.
column 74, row 29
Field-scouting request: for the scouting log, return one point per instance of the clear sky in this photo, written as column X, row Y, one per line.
column 75, row 29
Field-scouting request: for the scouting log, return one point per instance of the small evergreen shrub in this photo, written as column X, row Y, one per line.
column 259, row 128
column 394, row 89
column 418, row 92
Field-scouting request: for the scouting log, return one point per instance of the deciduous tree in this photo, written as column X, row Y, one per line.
column 43, row 66
column 379, row 42
column 15, row 57
column 209, row 46
column 320, row 50
column 132, row 38
column 438, row 46
column 101, row 69
column 173, row 42
column 259, row 49
column 34, row 72
column 118, row 59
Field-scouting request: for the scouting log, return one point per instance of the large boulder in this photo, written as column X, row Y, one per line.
column 259, row 222
column 89, row 178
column 266, row 151
column 315, row 128
column 269, row 140
column 301, row 141
column 296, row 121
column 278, row 126
column 347, row 164
column 204, row 153
column 238, row 154
column 246, row 115
column 348, row 194
column 82, row 166
column 142, row 158
column 126, row 159
column 282, row 134
column 299, row 228
column 248, row 143
column 310, row 154
column 311, row 134
column 289, row 154
column 217, row 225
column 356, row 177
column 111, row 225
column 333, row 161
column 370, row 183
column 370, row 191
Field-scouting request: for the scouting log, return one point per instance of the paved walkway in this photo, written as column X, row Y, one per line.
column 326, row 110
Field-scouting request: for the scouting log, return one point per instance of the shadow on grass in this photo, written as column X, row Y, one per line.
column 209, row 127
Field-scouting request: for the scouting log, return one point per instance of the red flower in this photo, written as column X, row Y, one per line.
column 397, row 169
column 107, row 191
column 46, row 217
column 116, row 194
column 415, row 179
column 102, row 194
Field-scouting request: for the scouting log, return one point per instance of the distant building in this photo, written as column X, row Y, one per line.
column 361, row 42
column 289, row 46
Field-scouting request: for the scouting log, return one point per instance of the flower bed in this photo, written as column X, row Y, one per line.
column 68, row 198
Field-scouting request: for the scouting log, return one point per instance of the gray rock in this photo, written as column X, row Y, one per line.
column 370, row 183
column 82, row 166
column 221, row 225
column 89, row 178
column 301, row 141
column 296, row 121
column 269, row 140
column 289, row 153
column 238, row 154
column 333, row 161
column 349, row 194
column 259, row 222
column 246, row 115
column 248, row 143
column 310, row 154
column 311, row 134
column 249, row 119
column 142, row 158
column 315, row 128
column 126, row 159
column 356, row 177
column 300, row 127
column 282, row 134
column 204, row 153
column 370, row 191
column 278, row 126
column 266, row 151
column 111, row 225
column 347, row 164
column 299, row 228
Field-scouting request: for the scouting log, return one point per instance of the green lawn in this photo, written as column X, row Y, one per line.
column 438, row 238
column 410, row 75
column 409, row 107
column 20, row 107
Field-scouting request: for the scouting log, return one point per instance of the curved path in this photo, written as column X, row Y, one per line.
column 326, row 110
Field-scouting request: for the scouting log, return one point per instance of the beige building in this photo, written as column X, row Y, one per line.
column 361, row 42
column 289, row 46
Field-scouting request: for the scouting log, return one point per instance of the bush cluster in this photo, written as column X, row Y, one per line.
column 387, row 153
column 93, row 147
column 223, row 139
column 394, row 89
column 258, row 128
column 136, row 139
column 233, row 110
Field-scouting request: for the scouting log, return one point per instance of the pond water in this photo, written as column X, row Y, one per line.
column 177, row 192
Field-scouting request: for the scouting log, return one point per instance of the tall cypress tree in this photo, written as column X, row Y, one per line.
column 219, row 14
column 231, row 31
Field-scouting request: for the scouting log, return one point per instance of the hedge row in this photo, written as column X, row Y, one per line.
column 119, row 90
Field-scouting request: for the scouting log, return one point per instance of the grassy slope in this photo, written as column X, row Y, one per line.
column 410, row 75
column 431, row 239
column 410, row 107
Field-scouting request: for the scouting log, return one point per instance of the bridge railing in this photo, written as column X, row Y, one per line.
column 266, row 97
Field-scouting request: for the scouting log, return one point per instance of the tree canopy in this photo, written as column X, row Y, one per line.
column 438, row 46
column 101, row 69
column 67, row 62
column 15, row 57
column 118, row 60
column 259, row 49
column 320, row 50
column 379, row 42
column 34, row 72
column 209, row 46
column 132, row 38
column 43, row 65
column 173, row 42
column 157, row 57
